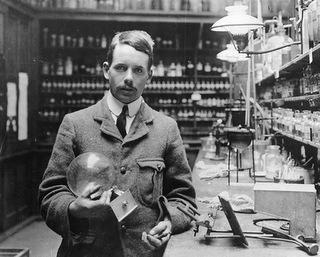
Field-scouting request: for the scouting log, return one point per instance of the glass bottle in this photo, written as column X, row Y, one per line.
column 275, row 41
column 185, row 5
column 199, row 68
column 272, row 162
column 68, row 66
column 189, row 68
column 172, row 70
column 317, row 126
column 207, row 68
column 104, row 42
column 60, row 69
column 179, row 70
column 161, row 69
column 45, row 37
column 210, row 145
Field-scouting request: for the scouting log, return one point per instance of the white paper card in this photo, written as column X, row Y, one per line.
column 23, row 106
column 11, row 99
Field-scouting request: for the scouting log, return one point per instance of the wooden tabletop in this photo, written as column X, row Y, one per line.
column 186, row 244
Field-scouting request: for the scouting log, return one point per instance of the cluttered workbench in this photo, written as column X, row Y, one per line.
column 187, row 244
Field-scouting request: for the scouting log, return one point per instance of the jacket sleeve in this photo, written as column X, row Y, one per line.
column 54, row 195
column 177, row 185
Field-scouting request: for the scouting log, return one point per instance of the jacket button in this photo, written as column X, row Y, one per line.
column 123, row 228
column 123, row 170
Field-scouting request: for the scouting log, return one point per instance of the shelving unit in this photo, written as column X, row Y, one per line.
column 82, row 37
column 301, row 108
column 295, row 66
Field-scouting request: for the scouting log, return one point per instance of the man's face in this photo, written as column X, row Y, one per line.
column 128, row 73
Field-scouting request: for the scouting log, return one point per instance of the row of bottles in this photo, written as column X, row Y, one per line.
column 214, row 85
column 56, row 114
column 183, row 101
column 72, row 40
column 275, row 38
column 213, row 102
column 308, row 84
column 154, row 101
column 68, row 39
column 67, row 66
column 163, row 5
column 173, row 70
column 190, row 114
column 208, row 114
column 71, row 100
column 188, row 69
column 205, row 44
column 205, row 85
column 66, row 84
column 89, row 100
column 304, row 124
column 170, row 85
column 286, row 88
column 63, row 84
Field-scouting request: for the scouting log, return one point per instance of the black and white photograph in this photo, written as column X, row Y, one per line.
column 159, row 128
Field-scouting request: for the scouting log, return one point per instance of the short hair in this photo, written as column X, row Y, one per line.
column 138, row 39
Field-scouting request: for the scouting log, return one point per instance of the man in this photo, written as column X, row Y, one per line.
column 148, row 157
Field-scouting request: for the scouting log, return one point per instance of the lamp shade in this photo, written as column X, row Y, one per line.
column 237, row 22
column 231, row 55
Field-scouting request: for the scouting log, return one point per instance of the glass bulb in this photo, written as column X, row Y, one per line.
column 88, row 168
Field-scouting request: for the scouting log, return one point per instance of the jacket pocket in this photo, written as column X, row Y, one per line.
column 150, row 179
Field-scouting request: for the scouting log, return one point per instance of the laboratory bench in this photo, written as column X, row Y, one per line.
column 187, row 244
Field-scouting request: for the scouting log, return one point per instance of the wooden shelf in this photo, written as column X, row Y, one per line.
column 310, row 101
column 213, row 92
column 167, row 92
column 299, row 139
column 70, row 92
column 158, row 105
column 295, row 66
column 127, row 15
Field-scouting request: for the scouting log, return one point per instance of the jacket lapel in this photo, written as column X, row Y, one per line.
column 139, row 126
column 104, row 117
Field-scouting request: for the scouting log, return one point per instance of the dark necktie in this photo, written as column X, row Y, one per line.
column 121, row 121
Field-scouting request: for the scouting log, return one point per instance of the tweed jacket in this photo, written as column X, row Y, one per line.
column 150, row 161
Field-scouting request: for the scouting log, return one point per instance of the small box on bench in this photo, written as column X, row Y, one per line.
column 297, row 202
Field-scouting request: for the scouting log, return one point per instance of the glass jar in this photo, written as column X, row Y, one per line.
column 210, row 147
column 210, row 144
column 272, row 161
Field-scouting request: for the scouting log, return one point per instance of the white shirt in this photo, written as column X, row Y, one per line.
column 115, row 107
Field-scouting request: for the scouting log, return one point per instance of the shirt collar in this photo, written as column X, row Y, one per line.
column 115, row 105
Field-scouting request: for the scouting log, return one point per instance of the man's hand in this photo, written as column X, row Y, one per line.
column 92, row 203
column 159, row 235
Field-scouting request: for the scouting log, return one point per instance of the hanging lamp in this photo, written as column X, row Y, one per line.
column 237, row 22
column 231, row 55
